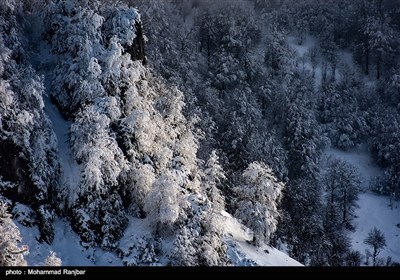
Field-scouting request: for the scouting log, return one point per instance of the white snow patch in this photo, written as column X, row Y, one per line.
column 361, row 159
column 303, row 62
column 345, row 57
column 235, row 229
column 375, row 211
column 71, row 173
column 263, row 256
column 136, row 228
column 242, row 253
column 66, row 245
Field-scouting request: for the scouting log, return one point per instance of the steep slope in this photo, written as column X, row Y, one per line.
column 242, row 253
column 29, row 167
column 69, row 249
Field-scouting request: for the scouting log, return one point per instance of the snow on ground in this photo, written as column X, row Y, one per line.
column 136, row 228
column 361, row 159
column 235, row 229
column 374, row 210
column 303, row 61
column 137, row 237
column 67, row 247
column 70, row 169
column 345, row 57
column 242, row 253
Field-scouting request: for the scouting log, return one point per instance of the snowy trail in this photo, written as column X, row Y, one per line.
column 374, row 210
column 71, row 174
column 69, row 167
column 66, row 244
column 301, row 51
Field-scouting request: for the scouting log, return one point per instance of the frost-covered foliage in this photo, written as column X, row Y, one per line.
column 345, row 120
column 385, row 146
column 258, row 198
column 28, row 152
column 11, row 253
column 73, row 31
column 214, row 177
column 53, row 260
column 135, row 148
column 165, row 204
column 303, row 135
column 302, row 220
column 258, row 81
column 142, row 251
column 343, row 185
column 199, row 241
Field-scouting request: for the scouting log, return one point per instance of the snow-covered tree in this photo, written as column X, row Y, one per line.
column 302, row 220
column 53, row 260
column 303, row 135
column 277, row 54
column 11, row 253
column 343, row 186
column 214, row 176
column 27, row 138
column 257, row 203
column 385, row 148
column 199, row 242
column 165, row 203
column 342, row 114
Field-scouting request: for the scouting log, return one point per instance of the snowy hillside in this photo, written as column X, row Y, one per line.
column 199, row 133
column 242, row 253
column 69, row 248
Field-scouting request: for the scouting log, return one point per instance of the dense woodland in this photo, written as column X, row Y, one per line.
column 179, row 109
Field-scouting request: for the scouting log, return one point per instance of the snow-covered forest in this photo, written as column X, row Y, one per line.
column 199, row 132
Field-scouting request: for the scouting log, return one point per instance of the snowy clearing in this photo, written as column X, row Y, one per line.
column 374, row 210
column 361, row 159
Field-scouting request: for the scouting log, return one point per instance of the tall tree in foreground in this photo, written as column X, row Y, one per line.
column 257, row 201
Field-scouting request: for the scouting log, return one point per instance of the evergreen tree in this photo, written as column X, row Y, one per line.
column 302, row 220
column 302, row 134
